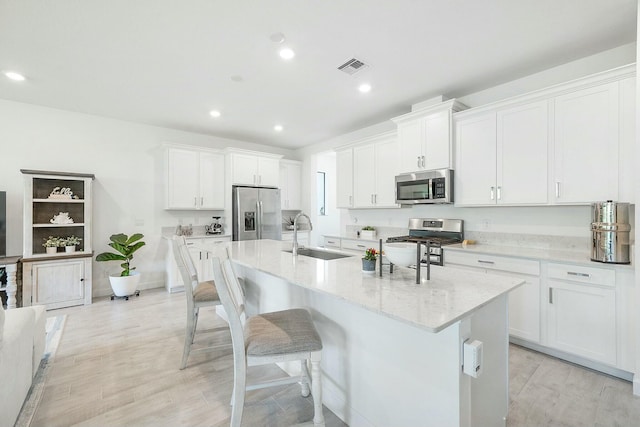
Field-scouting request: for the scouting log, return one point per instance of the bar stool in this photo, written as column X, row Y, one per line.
column 281, row 336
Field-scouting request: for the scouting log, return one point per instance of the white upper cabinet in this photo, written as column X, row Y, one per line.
column 475, row 172
column 568, row 144
column 375, row 166
column 252, row 168
column 586, row 145
column 195, row 179
column 425, row 138
column 344, row 178
column 290, row 188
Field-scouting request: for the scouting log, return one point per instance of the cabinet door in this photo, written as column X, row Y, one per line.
column 524, row 310
column 522, row 153
column 410, row 141
column 364, row 176
column 182, row 176
column 344, row 178
column 290, row 176
column 384, row 171
column 437, row 141
column 58, row 284
column 475, row 177
column 582, row 320
column 211, row 181
column 244, row 169
column 586, row 145
column 268, row 171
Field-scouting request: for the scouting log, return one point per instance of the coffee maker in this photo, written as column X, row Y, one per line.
column 215, row 227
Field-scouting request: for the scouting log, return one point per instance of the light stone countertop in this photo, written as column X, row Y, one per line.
column 169, row 236
column 451, row 295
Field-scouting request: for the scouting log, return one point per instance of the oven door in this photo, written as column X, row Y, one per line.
column 412, row 189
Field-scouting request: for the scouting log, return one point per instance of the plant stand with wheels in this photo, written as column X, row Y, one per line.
column 125, row 297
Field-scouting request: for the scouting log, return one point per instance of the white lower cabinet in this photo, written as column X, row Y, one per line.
column 581, row 313
column 524, row 301
column 199, row 250
column 57, row 283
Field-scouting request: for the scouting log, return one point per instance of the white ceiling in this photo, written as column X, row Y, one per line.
column 169, row 62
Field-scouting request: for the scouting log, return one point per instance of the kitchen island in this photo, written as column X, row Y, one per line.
column 392, row 349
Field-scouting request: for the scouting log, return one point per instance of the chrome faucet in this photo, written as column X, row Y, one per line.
column 295, row 231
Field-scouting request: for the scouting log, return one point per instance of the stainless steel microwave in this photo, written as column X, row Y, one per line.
column 434, row 186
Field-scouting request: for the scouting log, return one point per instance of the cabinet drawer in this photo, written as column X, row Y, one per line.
column 583, row 274
column 356, row 245
column 331, row 242
column 492, row 262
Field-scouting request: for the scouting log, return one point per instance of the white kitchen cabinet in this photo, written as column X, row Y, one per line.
column 290, row 185
column 425, row 138
column 252, row 168
column 586, row 145
column 374, row 169
column 344, row 178
column 303, row 237
column 524, row 301
column 57, row 283
column 199, row 250
column 332, row 242
column 355, row 245
column 581, row 312
column 503, row 156
column 195, row 179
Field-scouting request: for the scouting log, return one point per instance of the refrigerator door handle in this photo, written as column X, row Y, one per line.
column 259, row 224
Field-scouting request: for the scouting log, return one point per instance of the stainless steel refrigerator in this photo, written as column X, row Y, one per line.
column 256, row 213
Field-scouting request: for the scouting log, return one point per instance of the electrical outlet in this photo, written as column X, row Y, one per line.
column 486, row 224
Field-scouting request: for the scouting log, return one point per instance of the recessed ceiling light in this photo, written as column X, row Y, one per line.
column 214, row 113
column 237, row 78
column 286, row 53
column 364, row 87
column 14, row 76
column 278, row 128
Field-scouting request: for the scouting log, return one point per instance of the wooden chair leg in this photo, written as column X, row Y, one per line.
column 316, row 389
column 237, row 398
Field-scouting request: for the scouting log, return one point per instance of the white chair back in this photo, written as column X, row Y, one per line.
column 188, row 275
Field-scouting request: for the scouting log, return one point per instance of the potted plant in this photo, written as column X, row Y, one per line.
column 126, row 283
column 368, row 232
column 51, row 244
column 369, row 260
column 70, row 243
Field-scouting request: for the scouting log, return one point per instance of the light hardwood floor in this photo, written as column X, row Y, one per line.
column 117, row 365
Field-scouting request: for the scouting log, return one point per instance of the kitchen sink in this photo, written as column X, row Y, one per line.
column 319, row 253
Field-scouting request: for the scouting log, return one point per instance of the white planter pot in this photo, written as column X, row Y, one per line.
column 124, row 285
column 368, row 234
column 70, row 248
column 51, row 250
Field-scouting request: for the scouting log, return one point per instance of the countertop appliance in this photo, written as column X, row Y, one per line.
column 215, row 227
column 438, row 232
column 610, row 232
column 434, row 186
column 256, row 213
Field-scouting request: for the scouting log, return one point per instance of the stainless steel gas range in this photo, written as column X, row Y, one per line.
column 437, row 232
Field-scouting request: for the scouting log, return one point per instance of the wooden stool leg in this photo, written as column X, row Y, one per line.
column 316, row 389
column 304, row 385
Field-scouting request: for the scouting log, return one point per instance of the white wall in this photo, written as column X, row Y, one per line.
column 127, row 160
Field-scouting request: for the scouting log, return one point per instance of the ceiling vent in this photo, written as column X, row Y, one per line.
column 352, row 66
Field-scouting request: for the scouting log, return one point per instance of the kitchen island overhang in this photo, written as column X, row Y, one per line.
column 392, row 349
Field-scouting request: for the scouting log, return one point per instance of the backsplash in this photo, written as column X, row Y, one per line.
column 533, row 241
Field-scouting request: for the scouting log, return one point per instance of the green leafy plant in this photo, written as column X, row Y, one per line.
column 71, row 240
column 368, row 228
column 53, row 242
column 125, row 246
column 371, row 254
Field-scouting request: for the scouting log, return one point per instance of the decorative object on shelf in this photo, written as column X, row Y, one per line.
column 52, row 244
column 289, row 223
column 126, row 283
column 70, row 243
column 368, row 232
column 62, row 193
column 369, row 260
column 61, row 218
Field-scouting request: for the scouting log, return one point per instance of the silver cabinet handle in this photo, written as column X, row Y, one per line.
column 200, row 255
column 201, row 201
column 575, row 273
column 361, row 246
column 418, row 161
column 550, row 295
column 195, row 201
column 350, row 200
column 557, row 189
column 372, row 199
column 481, row 261
column 331, row 241
column 499, row 192
column 492, row 191
column 375, row 198
column 423, row 161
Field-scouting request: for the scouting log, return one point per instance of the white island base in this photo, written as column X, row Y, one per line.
column 380, row 371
